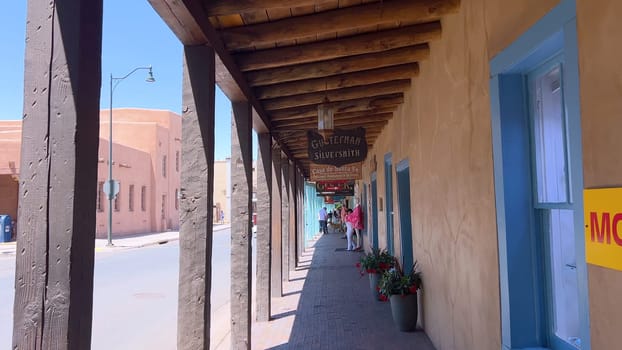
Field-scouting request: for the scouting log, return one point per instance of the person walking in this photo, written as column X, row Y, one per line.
column 357, row 221
column 322, row 216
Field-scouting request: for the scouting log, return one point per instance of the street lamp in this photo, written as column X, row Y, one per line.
column 111, row 188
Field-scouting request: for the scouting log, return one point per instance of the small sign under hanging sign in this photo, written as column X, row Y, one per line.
column 330, row 172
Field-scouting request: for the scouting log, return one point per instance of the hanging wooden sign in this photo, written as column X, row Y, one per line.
column 344, row 146
column 335, row 188
column 330, row 172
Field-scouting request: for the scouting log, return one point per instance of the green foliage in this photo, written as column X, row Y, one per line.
column 377, row 261
column 394, row 282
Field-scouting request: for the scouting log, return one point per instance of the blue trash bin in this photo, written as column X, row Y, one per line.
column 6, row 228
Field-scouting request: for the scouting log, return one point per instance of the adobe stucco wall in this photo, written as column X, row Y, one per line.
column 221, row 176
column 444, row 130
column 599, row 30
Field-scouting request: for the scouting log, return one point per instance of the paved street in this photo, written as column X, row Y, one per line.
column 135, row 296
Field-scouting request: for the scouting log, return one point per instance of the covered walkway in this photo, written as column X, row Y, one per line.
column 328, row 305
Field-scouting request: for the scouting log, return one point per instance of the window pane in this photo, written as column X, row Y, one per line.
column 549, row 137
column 131, row 198
column 564, row 281
column 143, row 198
column 100, row 196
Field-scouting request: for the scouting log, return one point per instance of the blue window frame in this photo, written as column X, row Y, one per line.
column 374, row 210
column 388, row 187
column 538, row 190
column 402, row 172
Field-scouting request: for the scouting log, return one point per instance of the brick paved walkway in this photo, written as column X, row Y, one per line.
column 327, row 305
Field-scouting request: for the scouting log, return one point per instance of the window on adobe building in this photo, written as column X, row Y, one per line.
column 164, row 166
column 117, row 200
column 131, row 198
column 143, row 198
column 163, row 207
column 176, row 199
column 177, row 161
column 100, row 196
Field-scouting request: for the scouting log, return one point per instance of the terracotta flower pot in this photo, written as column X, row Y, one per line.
column 404, row 310
column 374, row 278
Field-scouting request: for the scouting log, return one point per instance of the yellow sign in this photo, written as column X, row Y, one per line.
column 330, row 172
column 603, row 227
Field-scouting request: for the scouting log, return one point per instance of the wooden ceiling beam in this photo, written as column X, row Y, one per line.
column 337, row 66
column 359, row 114
column 314, row 98
column 357, row 105
column 372, row 76
column 228, row 7
column 188, row 20
column 313, row 123
column 348, row 18
column 341, row 47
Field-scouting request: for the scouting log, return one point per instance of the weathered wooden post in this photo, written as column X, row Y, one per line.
column 277, row 224
column 241, row 234
column 293, row 219
column 58, row 181
column 197, row 187
column 264, row 226
column 285, row 218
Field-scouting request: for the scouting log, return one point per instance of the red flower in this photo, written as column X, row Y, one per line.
column 358, row 264
column 378, row 289
column 412, row 289
column 383, row 297
column 383, row 266
column 371, row 271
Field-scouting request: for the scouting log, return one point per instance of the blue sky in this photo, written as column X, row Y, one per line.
column 133, row 35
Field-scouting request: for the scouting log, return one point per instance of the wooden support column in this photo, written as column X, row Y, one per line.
column 285, row 217
column 241, row 234
column 197, row 188
column 56, row 216
column 293, row 223
column 301, row 215
column 264, row 225
column 276, row 280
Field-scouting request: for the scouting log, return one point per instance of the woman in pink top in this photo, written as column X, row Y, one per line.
column 349, row 230
column 357, row 221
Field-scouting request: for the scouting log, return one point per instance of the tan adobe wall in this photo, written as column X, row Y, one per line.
column 599, row 30
column 221, row 181
column 444, row 130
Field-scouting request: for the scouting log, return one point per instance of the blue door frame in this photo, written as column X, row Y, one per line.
column 388, row 186
column 522, row 281
column 402, row 172
column 374, row 210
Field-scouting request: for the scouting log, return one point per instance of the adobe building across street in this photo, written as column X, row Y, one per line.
column 146, row 163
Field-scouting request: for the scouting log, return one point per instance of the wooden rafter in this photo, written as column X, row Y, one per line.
column 337, row 66
column 345, row 115
column 351, row 120
column 228, row 7
column 351, row 93
column 366, row 77
column 361, row 104
column 327, row 22
column 190, row 23
column 341, row 47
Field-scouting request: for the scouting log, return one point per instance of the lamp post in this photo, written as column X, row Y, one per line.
column 111, row 190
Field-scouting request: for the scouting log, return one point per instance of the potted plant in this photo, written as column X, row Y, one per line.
column 401, row 290
column 375, row 264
